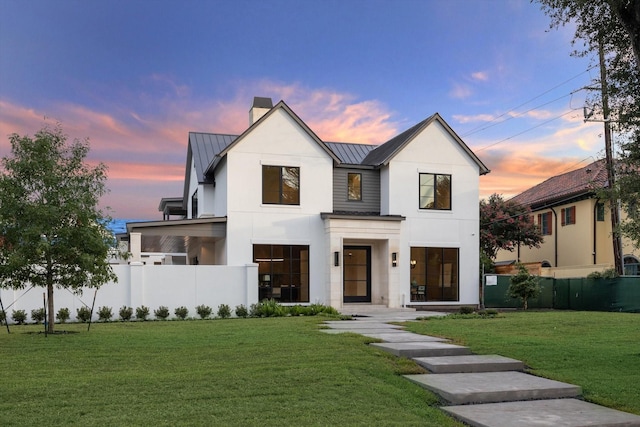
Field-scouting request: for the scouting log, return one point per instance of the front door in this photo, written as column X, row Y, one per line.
column 356, row 274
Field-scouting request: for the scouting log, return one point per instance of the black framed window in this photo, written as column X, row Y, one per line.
column 283, row 272
column 435, row 191
column 194, row 205
column 434, row 274
column 354, row 186
column 280, row 185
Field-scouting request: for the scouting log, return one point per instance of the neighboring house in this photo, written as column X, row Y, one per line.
column 575, row 224
column 392, row 224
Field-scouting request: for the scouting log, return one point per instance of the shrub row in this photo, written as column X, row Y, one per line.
column 265, row 308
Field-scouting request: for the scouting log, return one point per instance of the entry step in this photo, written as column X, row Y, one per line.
column 489, row 387
column 402, row 336
column 469, row 363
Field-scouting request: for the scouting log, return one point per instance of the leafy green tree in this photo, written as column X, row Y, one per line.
column 523, row 286
column 505, row 225
column 614, row 26
column 53, row 233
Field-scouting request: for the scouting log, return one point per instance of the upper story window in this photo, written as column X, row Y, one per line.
column 568, row 216
column 545, row 223
column 280, row 185
column 600, row 212
column 354, row 183
column 435, row 191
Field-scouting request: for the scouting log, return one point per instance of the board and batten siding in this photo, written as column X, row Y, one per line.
column 370, row 191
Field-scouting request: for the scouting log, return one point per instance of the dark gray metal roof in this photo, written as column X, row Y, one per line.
column 384, row 152
column 204, row 147
column 350, row 153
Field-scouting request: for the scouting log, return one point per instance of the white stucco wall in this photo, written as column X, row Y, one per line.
column 435, row 151
column 152, row 286
column 279, row 141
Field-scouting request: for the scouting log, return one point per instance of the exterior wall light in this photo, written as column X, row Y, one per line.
column 394, row 259
column 336, row 259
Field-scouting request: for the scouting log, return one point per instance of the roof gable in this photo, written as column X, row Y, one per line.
column 561, row 188
column 383, row 154
column 279, row 106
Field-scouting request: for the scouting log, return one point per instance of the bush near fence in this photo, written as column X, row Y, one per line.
column 620, row 294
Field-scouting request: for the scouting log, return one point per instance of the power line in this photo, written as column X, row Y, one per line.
column 525, row 131
column 474, row 130
column 515, row 115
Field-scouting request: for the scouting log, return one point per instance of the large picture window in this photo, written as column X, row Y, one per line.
column 435, row 191
column 283, row 272
column 434, row 274
column 280, row 185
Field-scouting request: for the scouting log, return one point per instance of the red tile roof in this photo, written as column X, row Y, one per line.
column 566, row 186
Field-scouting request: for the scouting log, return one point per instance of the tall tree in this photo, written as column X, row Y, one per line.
column 53, row 232
column 506, row 225
column 613, row 26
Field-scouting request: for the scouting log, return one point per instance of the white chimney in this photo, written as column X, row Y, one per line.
column 260, row 107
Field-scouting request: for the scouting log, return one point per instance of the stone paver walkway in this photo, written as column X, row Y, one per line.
column 480, row 390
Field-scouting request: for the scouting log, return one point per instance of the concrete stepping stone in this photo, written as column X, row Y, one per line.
column 360, row 331
column 348, row 324
column 541, row 413
column 489, row 387
column 402, row 336
column 472, row 363
column 422, row 349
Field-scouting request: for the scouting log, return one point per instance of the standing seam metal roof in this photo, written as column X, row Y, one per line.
column 204, row 147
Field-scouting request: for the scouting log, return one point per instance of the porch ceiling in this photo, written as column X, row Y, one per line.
column 178, row 235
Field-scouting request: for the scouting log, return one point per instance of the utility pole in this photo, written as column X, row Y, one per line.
column 613, row 201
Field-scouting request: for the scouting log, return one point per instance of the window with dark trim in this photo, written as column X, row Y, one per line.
column 545, row 223
column 568, row 216
column 354, row 186
column 194, row 205
column 435, row 191
column 280, row 185
column 600, row 212
column 434, row 274
column 283, row 272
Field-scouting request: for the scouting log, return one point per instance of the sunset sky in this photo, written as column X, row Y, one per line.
column 135, row 76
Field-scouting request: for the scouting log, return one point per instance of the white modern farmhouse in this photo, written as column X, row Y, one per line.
column 394, row 224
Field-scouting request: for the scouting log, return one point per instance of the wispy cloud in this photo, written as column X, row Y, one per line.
column 482, row 76
column 144, row 144
column 460, row 91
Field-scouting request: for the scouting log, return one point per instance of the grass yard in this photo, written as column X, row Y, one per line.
column 237, row 372
column 598, row 351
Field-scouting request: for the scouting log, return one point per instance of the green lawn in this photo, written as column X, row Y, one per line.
column 598, row 351
column 237, row 372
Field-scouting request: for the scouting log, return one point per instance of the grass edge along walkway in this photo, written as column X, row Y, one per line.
column 600, row 352
column 249, row 372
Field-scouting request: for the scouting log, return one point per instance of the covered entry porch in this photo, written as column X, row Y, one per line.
column 364, row 259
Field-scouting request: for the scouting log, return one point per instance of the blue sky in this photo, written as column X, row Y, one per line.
column 136, row 76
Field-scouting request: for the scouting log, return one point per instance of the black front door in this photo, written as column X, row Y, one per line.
column 356, row 273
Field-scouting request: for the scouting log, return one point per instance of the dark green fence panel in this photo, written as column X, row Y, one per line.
column 495, row 296
column 561, row 293
column 620, row 294
column 627, row 295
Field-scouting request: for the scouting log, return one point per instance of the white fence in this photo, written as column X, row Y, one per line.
column 152, row 286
